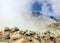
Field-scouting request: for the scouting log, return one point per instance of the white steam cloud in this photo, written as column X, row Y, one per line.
column 17, row 13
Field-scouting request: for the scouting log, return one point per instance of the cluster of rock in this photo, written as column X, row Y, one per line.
column 54, row 27
column 15, row 35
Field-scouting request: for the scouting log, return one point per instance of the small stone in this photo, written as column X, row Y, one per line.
column 7, row 37
column 15, row 29
column 38, row 38
column 51, row 38
column 30, row 40
column 6, row 29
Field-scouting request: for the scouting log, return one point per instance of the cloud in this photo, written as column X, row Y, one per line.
column 12, row 12
column 17, row 13
column 52, row 9
column 56, row 6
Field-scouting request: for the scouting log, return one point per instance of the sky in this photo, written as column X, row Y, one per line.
column 47, row 7
column 18, row 12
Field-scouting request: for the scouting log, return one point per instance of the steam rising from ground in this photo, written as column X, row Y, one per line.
column 17, row 13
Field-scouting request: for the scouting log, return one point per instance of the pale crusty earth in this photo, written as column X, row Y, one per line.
column 17, row 37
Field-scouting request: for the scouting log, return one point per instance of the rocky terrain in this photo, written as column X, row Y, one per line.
column 16, row 35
